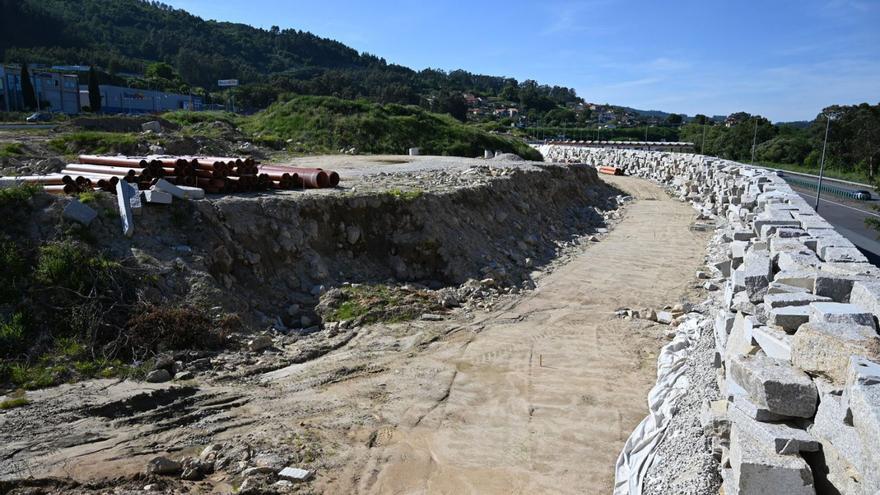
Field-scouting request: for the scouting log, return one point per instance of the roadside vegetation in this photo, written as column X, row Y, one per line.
column 317, row 124
column 95, row 142
column 71, row 312
column 376, row 303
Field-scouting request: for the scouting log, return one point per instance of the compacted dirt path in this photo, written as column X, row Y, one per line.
column 539, row 397
column 536, row 396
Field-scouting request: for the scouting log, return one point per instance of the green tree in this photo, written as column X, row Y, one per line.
column 453, row 104
column 700, row 119
column 674, row 119
column 27, row 89
column 94, row 90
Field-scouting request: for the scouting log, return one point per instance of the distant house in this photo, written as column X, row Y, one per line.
column 119, row 99
column 55, row 91
column 506, row 112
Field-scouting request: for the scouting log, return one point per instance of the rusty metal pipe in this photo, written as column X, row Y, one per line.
column 114, row 161
column 107, row 170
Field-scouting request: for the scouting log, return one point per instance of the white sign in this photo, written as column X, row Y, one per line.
column 224, row 83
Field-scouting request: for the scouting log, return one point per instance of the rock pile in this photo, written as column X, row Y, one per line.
column 796, row 343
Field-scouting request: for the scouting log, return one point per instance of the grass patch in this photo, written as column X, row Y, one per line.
column 377, row 303
column 18, row 196
column 16, row 399
column 407, row 195
column 88, row 197
column 95, row 142
column 10, row 150
column 850, row 175
column 322, row 124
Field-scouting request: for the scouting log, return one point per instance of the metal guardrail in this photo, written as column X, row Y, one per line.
column 837, row 191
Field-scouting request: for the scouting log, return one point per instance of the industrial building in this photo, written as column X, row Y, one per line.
column 119, row 99
column 55, row 91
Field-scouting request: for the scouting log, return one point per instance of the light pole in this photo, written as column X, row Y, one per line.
column 822, row 162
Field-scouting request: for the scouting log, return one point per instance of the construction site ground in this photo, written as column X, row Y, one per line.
column 536, row 395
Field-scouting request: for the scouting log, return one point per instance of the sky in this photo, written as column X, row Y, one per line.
column 783, row 59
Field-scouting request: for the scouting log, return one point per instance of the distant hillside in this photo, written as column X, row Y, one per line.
column 326, row 124
column 127, row 35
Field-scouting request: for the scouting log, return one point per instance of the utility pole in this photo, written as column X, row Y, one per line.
column 822, row 163
column 703, row 142
column 646, row 132
column 754, row 140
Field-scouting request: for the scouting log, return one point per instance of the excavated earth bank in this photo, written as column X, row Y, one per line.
column 472, row 231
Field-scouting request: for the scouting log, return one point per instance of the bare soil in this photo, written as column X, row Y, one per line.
column 535, row 396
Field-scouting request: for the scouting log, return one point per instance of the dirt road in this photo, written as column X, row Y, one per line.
column 539, row 397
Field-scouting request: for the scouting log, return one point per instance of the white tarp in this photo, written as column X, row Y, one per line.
column 638, row 452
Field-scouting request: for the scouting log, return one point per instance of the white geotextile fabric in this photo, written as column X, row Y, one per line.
column 638, row 452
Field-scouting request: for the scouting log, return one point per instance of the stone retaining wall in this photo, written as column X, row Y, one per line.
column 795, row 325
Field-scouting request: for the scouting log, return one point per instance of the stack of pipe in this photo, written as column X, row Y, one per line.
column 214, row 174
column 311, row 178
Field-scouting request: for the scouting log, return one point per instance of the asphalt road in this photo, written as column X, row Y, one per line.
column 848, row 218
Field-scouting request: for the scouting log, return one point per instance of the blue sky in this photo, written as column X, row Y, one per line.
column 784, row 59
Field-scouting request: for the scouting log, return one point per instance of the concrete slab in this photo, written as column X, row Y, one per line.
column 123, row 200
column 78, row 212
column 862, row 397
column 157, row 197
column 792, row 299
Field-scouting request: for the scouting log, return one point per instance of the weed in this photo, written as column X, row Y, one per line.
column 14, row 275
column 88, row 197
column 152, row 329
column 405, row 195
column 13, row 403
column 379, row 303
column 11, row 149
column 69, row 265
column 18, row 196
column 12, row 335
column 95, row 142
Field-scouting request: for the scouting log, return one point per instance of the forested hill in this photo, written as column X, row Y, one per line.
column 123, row 33
column 124, row 36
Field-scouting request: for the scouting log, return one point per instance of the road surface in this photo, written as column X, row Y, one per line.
column 848, row 218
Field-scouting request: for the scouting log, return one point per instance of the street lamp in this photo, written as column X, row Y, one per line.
column 822, row 162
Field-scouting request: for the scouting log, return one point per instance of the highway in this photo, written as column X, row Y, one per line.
column 848, row 217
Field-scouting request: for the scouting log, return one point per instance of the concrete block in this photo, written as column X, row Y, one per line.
column 192, row 192
column 167, row 187
column 78, row 212
column 805, row 279
column 295, row 474
column 754, row 275
column 824, row 349
column 780, row 437
column 866, row 294
column 785, row 245
column 841, row 445
column 742, row 234
column 774, row 342
column 750, row 409
column 833, row 285
column 777, row 218
column 778, row 288
column 158, row 197
column 789, row 318
column 794, row 261
column 123, row 199
column 844, row 254
column 723, row 267
column 833, row 312
column 737, row 252
column 739, row 340
column 792, row 299
column 862, row 397
column 836, row 240
column 723, row 326
column 774, row 385
column 760, row 471
column 153, row 126
column 135, row 199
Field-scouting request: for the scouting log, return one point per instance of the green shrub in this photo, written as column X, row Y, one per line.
column 13, row 335
column 328, row 124
column 18, row 196
column 95, row 142
column 72, row 266
column 15, row 272
column 152, row 329
column 10, row 149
